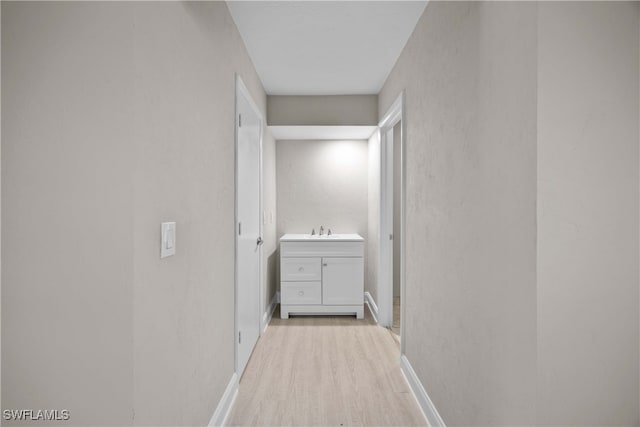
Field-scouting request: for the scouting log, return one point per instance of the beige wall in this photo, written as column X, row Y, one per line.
column 0, row 211
column 470, row 208
column 186, row 55
column 334, row 110
column 118, row 116
column 373, row 223
column 518, row 315
column 322, row 183
column 67, row 249
column 588, row 213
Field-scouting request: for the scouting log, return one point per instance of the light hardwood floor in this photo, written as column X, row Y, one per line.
column 395, row 326
column 325, row 371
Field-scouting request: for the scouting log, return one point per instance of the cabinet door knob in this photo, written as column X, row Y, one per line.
column 301, row 269
column 324, row 264
column 300, row 293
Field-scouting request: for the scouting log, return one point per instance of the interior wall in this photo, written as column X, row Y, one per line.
column 0, row 207
column 588, row 213
column 186, row 57
column 270, row 246
column 373, row 211
column 317, row 110
column 67, row 189
column 118, row 116
column 322, row 183
column 470, row 208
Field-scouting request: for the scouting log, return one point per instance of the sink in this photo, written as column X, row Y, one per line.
column 324, row 236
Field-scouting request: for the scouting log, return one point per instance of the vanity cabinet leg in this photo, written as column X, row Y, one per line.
column 360, row 313
column 284, row 314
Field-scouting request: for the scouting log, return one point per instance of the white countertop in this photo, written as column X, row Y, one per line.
column 338, row 237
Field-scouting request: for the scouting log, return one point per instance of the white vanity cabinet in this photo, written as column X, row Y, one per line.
column 321, row 274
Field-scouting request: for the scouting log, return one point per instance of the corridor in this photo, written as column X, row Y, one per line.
column 315, row 371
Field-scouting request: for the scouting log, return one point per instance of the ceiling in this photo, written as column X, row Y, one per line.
column 325, row 47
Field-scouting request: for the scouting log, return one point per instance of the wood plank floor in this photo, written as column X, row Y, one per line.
column 325, row 371
column 395, row 326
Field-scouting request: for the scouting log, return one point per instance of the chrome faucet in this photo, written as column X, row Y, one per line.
column 329, row 232
column 313, row 231
column 321, row 230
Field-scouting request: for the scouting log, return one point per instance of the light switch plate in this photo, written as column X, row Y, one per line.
column 167, row 239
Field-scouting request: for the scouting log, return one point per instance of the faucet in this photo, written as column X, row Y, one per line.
column 329, row 232
column 313, row 231
column 321, row 230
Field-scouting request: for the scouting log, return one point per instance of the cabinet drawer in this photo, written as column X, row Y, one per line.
column 300, row 269
column 300, row 293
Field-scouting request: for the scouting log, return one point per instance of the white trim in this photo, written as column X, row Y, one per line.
column 417, row 389
column 373, row 308
column 394, row 115
column 225, row 404
column 268, row 314
column 385, row 253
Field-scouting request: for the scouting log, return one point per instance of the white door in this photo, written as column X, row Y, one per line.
column 248, row 226
column 342, row 281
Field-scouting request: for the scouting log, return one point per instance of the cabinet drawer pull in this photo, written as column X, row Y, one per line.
column 300, row 293
column 301, row 269
column 324, row 265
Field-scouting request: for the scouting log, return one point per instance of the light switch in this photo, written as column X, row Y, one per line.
column 167, row 239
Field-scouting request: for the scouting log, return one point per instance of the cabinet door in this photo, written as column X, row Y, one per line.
column 342, row 281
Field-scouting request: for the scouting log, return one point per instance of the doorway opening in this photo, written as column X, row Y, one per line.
column 392, row 232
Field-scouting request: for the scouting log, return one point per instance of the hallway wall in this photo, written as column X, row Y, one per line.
column 588, row 213
column 522, row 201
column 186, row 55
column 116, row 117
column 318, row 110
column 470, row 208
column 67, row 176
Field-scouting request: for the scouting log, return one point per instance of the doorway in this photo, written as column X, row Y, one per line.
column 392, row 181
column 397, row 169
column 248, row 230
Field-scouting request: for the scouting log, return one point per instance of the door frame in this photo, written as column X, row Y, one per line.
column 394, row 115
column 241, row 90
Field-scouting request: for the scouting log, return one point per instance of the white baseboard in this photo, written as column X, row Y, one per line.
column 266, row 317
column 428, row 408
column 373, row 308
column 226, row 403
